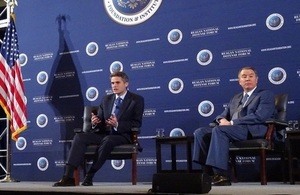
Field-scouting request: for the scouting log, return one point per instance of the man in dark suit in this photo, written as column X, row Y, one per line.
column 118, row 113
column 242, row 119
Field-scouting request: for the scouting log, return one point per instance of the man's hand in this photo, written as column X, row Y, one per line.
column 223, row 122
column 95, row 120
column 112, row 121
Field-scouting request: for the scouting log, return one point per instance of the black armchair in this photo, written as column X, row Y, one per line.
column 126, row 151
column 262, row 147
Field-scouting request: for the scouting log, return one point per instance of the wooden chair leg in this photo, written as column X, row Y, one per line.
column 84, row 167
column 283, row 168
column 134, row 169
column 233, row 168
column 77, row 176
column 263, row 168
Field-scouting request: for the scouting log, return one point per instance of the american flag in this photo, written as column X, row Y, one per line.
column 12, row 98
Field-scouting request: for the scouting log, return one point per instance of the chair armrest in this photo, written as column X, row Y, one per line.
column 281, row 124
column 135, row 136
column 274, row 126
column 135, row 129
column 135, row 132
column 213, row 124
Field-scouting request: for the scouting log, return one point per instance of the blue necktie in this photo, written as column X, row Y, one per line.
column 118, row 103
column 244, row 99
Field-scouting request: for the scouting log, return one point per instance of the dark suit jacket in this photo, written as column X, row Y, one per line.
column 129, row 116
column 259, row 107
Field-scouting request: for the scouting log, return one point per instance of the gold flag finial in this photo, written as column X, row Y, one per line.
column 12, row 4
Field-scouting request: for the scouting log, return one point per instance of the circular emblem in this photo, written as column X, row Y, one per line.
column 25, row 100
column 177, row 132
column 118, row 164
column 92, row 94
column 92, row 49
column 42, row 78
column 277, row 75
column 42, row 120
column 205, row 108
column 274, row 21
column 21, row 143
column 116, row 66
column 131, row 12
column 23, row 59
column 204, row 57
column 42, row 164
column 176, row 85
column 175, row 36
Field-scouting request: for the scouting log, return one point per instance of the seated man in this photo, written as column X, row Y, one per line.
column 242, row 119
column 118, row 113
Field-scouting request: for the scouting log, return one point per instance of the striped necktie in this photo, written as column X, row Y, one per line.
column 118, row 103
column 244, row 100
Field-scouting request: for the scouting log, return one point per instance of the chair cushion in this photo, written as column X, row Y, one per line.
column 249, row 144
column 122, row 149
column 126, row 148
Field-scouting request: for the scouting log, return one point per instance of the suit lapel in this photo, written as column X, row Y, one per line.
column 253, row 95
column 110, row 105
column 235, row 104
column 238, row 101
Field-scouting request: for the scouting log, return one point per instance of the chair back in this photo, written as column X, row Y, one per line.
column 87, row 114
column 280, row 106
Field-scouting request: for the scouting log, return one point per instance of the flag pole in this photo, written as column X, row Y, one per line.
column 8, row 154
column 10, row 7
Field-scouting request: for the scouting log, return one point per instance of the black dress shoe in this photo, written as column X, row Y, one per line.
column 219, row 180
column 88, row 181
column 65, row 181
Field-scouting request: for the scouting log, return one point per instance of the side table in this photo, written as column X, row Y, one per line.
column 292, row 147
column 174, row 141
column 183, row 181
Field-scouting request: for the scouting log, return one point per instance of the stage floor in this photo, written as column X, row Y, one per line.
column 242, row 188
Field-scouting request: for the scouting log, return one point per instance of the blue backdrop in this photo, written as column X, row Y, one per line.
column 182, row 56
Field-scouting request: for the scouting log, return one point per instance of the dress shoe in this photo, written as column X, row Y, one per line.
column 220, row 180
column 88, row 181
column 65, row 181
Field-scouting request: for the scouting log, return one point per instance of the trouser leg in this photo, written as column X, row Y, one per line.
column 218, row 154
column 106, row 146
column 202, row 138
column 77, row 150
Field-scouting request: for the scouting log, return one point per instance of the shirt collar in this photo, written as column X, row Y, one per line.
column 250, row 92
column 122, row 96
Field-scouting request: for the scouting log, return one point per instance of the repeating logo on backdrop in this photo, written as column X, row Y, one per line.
column 42, row 78
column 42, row 120
column 92, row 49
column 175, row 36
column 23, row 59
column 206, row 108
column 116, row 66
column 21, row 143
column 204, row 57
column 176, row 85
column 275, row 21
column 92, row 93
column 277, row 75
column 131, row 12
column 42, row 164
column 118, row 164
